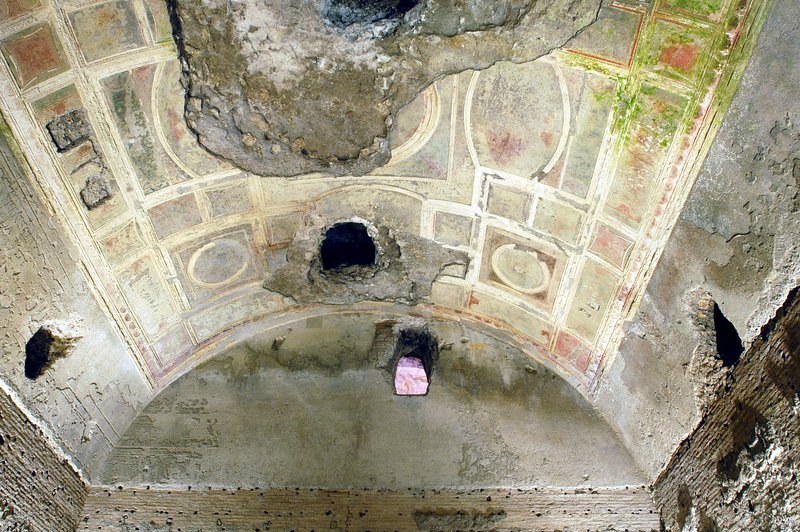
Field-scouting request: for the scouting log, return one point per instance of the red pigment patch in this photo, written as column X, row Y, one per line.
column 35, row 54
column 503, row 146
column 610, row 245
column 626, row 210
column 16, row 8
column 681, row 56
column 547, row 138
column 569, row 347
column 174, row 122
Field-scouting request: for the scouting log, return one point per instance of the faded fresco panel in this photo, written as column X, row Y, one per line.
column 612, row 37
column 148, row 298
column 420, row 137
column 106, row 29
column 517, row 117
column 559, row 220
column 453, row 229
column 676, row 51
column 175, row 215
column 610, row 245
column 524, row 321
column 34, row 55
column 595, row 293
column 508, row 203
column 11, row 9
column 525, row 267
column 657, row 114
column 594, row 98
column 218, row 262
column 130, row 96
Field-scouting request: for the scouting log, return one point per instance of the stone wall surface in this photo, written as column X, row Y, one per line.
column 739, row 468
column 39, row 489
column 284, row 408
column 42, row 279
column 738, row 240
column 304, row 509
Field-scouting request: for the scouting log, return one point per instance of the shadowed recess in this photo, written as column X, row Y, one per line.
column 343, row 13
column 729, row 344
column 347, row 244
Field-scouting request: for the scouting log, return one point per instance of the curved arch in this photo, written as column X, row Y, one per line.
column 321, row 412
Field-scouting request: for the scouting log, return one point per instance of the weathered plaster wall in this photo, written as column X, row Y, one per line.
column 304, row 509
column 738, row 239
column 311, row 405
column 39, row 489
column 89, row 397
column 738, row 470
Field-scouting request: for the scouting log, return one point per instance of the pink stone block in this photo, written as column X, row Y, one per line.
column 410, row 377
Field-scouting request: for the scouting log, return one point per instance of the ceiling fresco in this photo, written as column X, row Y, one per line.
column 561, row 178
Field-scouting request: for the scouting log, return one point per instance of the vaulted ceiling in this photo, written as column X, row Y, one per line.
column 555, row 184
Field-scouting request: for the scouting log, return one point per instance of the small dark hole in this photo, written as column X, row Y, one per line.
column 347, row 244
column 343, row 13
column 729, row 344
column 37, row 353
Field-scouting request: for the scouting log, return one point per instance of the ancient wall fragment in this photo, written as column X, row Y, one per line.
column 286, row 90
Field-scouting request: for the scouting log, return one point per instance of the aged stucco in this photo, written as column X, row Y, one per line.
column 545, row 219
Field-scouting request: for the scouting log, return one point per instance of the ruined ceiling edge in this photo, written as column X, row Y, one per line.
column 710, row 120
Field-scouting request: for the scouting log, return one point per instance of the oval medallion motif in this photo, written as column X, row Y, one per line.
column 218, row 263
column 520, row 270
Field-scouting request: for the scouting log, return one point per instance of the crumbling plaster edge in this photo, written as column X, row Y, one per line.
column 711, row 114
column 25, row 141
column 49, row 436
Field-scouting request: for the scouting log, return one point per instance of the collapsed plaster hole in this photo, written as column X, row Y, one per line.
column 729, row 344
column 52, row 341
column 347, row 244
column 344, row 13
column 415, row 351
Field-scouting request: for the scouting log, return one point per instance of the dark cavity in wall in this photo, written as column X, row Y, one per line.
column 49, row 343
column 729, row 344
column 38, row 353
column 347, row 244
column 414, row 356
column 343, row 13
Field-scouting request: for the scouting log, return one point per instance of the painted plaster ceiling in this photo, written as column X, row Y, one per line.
column 560, row 178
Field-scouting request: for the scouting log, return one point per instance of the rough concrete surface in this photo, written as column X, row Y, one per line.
column 327, row 414
column 738, row 469
column 404, row 270
column 738, row 239
column 317, row 84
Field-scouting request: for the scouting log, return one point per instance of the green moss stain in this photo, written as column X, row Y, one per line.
column 701, row 7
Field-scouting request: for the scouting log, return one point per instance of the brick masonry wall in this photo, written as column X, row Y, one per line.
column 310, row 509
column 39, row 490
column 740, row 468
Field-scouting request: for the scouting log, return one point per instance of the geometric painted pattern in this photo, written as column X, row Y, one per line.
column 561, row 177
